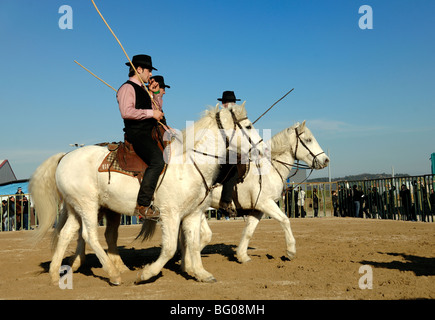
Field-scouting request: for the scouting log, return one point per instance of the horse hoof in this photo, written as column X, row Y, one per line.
column 291, row 255
column 244, row 259
column 116, row 281
column 210, row 280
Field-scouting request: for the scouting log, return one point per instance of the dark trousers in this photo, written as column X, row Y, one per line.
column 230, row 174
column 148, row 150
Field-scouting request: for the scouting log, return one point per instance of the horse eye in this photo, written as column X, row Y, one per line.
column 308, row 140
column 249, row 127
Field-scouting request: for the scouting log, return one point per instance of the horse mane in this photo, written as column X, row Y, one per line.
column 280, row 142
column 208, row 118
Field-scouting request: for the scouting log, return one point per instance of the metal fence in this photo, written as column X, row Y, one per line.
column 309, row 199
column 16, row 213
column 399, row 198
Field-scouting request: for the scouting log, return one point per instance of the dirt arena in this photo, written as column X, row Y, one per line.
column 330, row 252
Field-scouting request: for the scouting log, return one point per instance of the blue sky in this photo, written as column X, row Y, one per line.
column 367, row 95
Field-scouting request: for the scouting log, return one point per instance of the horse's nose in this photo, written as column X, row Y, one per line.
column 326, row 161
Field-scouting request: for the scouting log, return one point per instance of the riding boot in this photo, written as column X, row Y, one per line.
column 229, row 208
column 151, row 212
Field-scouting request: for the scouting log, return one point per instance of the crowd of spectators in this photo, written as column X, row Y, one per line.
column 15, row 212
column 389, row 204
column 414, row 201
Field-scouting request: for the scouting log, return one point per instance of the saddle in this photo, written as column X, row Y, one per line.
column 123, row 159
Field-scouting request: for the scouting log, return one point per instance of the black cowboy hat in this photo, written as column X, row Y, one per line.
column 161, row 81
column 142, row 60
column 228, row 96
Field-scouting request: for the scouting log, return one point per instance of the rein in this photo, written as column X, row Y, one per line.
column 227, row 140
column 298, row 165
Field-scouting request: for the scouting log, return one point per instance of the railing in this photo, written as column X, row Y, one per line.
column 398, row 198
column 308, row 199
column 377, row 198
column 16, row 212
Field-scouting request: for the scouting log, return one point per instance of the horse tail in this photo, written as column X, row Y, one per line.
column 45, row 194
column 147, row 230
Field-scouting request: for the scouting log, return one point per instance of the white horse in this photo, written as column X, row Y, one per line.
column 294, row 143
column 74, row 179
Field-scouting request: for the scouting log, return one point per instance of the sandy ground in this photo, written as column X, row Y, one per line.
column 330, row 252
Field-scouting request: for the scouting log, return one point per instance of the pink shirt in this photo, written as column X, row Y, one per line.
column 126, row 97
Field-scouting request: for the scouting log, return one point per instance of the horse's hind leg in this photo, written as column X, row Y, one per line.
column 78, row 259
column 72, row 225
column 113, row 221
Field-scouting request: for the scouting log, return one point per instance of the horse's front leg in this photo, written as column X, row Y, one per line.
column 251, row 224
column 272, row 209
column 193, row 246
column 170, row 225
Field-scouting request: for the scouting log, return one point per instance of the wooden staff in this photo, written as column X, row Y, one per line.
column 131, row 64
column 273, row 106
column 164, row 126
column 97, row 77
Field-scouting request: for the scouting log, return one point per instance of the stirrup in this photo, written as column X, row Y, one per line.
column 156, row 210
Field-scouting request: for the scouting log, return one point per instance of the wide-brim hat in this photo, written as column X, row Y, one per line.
column 228, row 96
column 142, row 60
column 161, row 81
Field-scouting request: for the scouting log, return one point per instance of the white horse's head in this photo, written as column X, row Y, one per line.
column 240, row 133
column 226, row 135
column 307, row 149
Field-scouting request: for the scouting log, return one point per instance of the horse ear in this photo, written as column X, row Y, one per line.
column 302, row 126
column 217, row 107
column 243, row 104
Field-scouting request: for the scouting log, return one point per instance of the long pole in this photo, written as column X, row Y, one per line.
column 273, row 105
column 164, row 126
column 125, row 53
column 96, row 76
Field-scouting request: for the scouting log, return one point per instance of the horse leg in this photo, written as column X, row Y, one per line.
column 111, row 234
column 185, row 260
column 79, row 257
column 271, row 208
column 206, row 232
column 72, row 225
column 193, row 262
column 170, row 226
column 251, row 224
column 90, row 235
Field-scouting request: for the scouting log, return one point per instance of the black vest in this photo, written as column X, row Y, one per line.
column 143, row 101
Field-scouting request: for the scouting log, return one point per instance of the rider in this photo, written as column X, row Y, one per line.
column 140, row 116
column 228, row 171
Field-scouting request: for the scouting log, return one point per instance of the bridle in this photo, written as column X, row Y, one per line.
column 299, row 139
column 298, row 165
column 228, row 141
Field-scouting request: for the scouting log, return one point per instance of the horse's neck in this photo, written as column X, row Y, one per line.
column 284, row 168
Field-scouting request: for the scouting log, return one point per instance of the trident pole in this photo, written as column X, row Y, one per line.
column 125, row 53
column 273, row 106
column 164, row 126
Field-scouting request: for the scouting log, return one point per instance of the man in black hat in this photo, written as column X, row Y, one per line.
column 160, row 91
column 140, row 117
column 228, row 172
column 228, row 98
